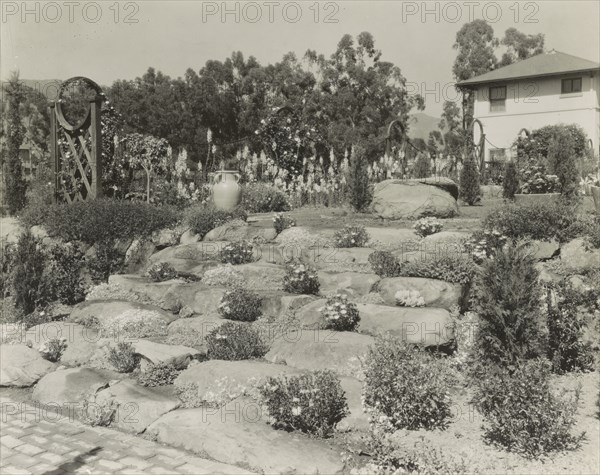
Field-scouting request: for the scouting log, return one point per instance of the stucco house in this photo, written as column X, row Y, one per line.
column 547, row 89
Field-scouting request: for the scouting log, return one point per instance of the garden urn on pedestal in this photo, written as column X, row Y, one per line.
column 227, row 193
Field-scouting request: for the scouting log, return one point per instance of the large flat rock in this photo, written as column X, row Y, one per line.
column 155, row 353
column 69, row 386
column 577, row 258
column 21, row 366
column 436, row 293
column 81, row 341
column 354, row 284
column 425, row 326
column 137, row 406
column 402, row 199
column 310, row 349
column 219, row 381
column 236, row 434
column 238, row 230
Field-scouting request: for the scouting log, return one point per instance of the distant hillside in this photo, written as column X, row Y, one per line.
column 420, row 124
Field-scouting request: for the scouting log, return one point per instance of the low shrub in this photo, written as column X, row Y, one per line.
column 106, row 220
column 405, row 387
column 160, row 374
column 507, row 300
column 540, row 221
column 300, row 279
column 101, row 414
column 409, row 298
column 123, row 357
column 536, row 180
column 53, row 349
column 339, row 314
column 351, row 236
column 202, row 219
column 312, row 403
column 241, row 305
column 281, row 222
column 237, row 253
column 235, row 341
column 521, row 412
column 105, row 261
column 161, row 271
column 428, row 226
column 568, row 310
column 263, row 198
column 384, row 264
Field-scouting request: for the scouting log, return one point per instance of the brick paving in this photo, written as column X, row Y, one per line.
column 53, row 445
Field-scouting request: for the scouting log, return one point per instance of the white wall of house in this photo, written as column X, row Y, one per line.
column 534, row 103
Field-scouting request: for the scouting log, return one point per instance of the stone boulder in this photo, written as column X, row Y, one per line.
column 436, row 293
column 137, row 406
column 402, row 199
column 21, row 366
column 155, row 353
column 342, row 352
column 124, row 319
column 544, row 250
column 309, row 315
column 195, row 258
column 261, row 275
column 219, row 381
column 67, row 386
column 190, row 237
column 444, row 183
column 276, row 303
column 338, row 259
column 351, row 283
column 192, row 331
column 577, row 259
column 357, row 419
column 138, row 255
column 237, row 434
column 81, row 341
column 238, row 230
column 425, row 326
column 168, row 236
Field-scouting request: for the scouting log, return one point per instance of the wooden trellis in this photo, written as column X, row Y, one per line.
column 76, row 150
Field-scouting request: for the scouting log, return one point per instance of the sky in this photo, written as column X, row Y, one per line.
column 109, row 40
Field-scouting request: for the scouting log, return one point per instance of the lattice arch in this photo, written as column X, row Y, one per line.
column 77, row 149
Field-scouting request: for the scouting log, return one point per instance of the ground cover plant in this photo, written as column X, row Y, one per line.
column 240, row 252
column 313, row 402
column 201, row 219
column 340, row 314
column 160, row 374
column 428, row 226
column 123, row 358
column 300, row 278
column 351, row 236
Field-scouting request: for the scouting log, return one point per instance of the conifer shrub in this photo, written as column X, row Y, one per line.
column 510, row 184
column 469, row 186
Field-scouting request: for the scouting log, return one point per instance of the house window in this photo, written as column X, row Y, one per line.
column 498, row 99
column 569, row 86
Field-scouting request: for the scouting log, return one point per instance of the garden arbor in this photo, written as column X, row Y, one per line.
column 76, row 147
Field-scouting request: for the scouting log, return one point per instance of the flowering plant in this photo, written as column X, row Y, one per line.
column 300, row 279
column 53, row 349
column 339, row 314
column 427, row 226
column 223, row 276
column 351, row 236
column 312, row 403
column 484, row 244
column 409, row 298
column 281, row 222
column 237, row 253
column 162, row 271
column 240, row 304
column 536, row 181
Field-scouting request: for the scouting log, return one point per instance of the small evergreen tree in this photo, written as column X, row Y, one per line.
column 470, row 191
column 422, row 168
column 508, row 305
column 563, row 159
column 28, row 274
column 360, row 189
column 510, row 185
column 15, row 184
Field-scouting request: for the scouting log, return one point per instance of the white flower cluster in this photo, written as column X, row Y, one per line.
column 409, row 298
column 427, row 226
column 223, row 276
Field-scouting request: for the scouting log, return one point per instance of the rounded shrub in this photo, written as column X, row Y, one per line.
column 235, row 253
column 339, row 314
column 405, row 387
column 240, row 304
column 300, row 279
column 351, row 236
column 235, row 341
column 313, row 402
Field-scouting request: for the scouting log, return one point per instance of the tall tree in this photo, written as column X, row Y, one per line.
column 520, row 46
column 15, row 184
column 475, row 44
